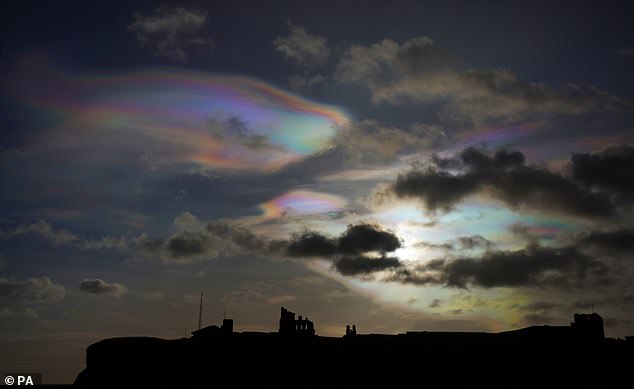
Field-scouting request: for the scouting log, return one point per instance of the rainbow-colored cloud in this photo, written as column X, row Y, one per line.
column 181, row 117
column 302, row 202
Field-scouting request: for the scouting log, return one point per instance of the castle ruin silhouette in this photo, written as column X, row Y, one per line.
column 577, row 356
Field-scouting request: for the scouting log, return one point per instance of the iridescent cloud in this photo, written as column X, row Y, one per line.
column 302, row 202
column 180, row 116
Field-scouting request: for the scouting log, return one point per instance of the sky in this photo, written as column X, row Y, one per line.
column 401, row 166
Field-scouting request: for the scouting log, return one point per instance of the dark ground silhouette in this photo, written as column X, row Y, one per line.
column 576, row 356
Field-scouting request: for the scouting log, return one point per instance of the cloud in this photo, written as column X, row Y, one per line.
column 181, row 247
column 360, row 249
column 240, row 237
column 387, row 60
column 172, row 32
column 312, row 244
column 350, row 252
column 196, row 240
column 609, row 169
column 305, row 49
column 187, row 244
column 533, row 266
column 62, row 237
column 356, row 239
column 473, row 242
column 31, row 291
column 45, row 230
column 419, row 71
column 621, row 240
column 505, row 177
column 369, row 142
column 106, row 243
column 350, row 266
column 363, row 238
column 193, row 240
column 100, row 287
column 23, row 311
column 436, row 303
column 234, row 130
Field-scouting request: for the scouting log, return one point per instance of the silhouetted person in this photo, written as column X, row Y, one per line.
column 347, row 329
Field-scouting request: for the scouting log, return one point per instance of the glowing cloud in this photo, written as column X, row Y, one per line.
column 302, row 202
column 180, row 117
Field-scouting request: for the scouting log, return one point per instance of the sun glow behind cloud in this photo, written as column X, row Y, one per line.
column 175, row 116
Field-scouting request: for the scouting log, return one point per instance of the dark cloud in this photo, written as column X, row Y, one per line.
column 234, row 129
column 435, row 303
column 461, row 243
column 419, row 275
column 437, row 189
column 616, row 240
column 362, row 238
column 98, row 286
column 187, row 244
column 532, row 266
column 356, row 239
column 31, row 291
column 349, row 252
column 612, row 168
column 312, row 244
column 476, row 160
column 503, row 176
column 528, row 267
column 238, row 236
column 474, row 242
column 362, row 265
column 198, row 240
column 172, row 32
column 440, row 246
